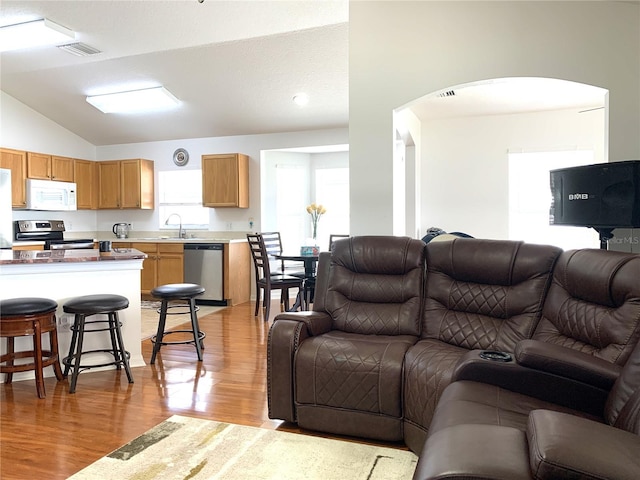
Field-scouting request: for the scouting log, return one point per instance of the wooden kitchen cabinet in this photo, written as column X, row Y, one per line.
column 87, row 185
column 16, row 161
column 136, row 180
column 62, row 169
column 126, row 184
column 49, row 167
column 225, row 180
column 164, row 264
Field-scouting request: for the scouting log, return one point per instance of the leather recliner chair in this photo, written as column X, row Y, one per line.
column 339, row 367
column 480, row 294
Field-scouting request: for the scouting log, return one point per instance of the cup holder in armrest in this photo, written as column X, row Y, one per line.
column 496, row 356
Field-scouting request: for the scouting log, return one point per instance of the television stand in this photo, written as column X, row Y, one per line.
column 605, row 234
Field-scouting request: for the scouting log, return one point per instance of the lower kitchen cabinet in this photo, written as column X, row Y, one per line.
column 164, row 264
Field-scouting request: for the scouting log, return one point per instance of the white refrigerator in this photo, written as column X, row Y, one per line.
column 6, row 216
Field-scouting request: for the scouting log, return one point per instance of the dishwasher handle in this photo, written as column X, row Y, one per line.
column 204, row 246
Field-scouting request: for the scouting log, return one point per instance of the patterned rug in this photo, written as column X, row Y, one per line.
column 189, row 448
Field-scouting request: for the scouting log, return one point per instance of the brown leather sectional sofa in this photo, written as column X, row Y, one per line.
column 393, row 350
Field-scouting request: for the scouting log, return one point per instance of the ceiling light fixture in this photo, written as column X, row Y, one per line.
column 134, row 101
column 36, row 33
column 301, row 99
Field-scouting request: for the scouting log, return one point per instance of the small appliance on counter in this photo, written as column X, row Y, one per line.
column 121, row 230
column 51, row 232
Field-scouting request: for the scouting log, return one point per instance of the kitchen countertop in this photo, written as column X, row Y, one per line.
column 21, row 257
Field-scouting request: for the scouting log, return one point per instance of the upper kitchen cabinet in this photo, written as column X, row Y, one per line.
column 225, row 180
column 126, row 184
column 16, row 161
column 87, row 185
column 50, row 167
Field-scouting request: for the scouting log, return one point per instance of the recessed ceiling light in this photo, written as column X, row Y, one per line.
column 33, row 34
column 134, row 101
column 301, row 99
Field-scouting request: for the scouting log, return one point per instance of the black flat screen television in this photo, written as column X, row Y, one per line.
column 602, row 196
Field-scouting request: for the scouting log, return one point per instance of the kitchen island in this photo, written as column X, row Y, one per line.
column 64, row 274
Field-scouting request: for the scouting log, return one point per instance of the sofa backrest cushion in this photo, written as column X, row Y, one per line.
column 374, row 285
column 593, row 304
column 622, row 409
column 485, row 294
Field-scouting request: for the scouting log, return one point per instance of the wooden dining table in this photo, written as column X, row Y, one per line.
column 310, row 262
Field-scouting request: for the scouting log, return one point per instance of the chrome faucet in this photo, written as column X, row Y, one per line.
column 181, row 233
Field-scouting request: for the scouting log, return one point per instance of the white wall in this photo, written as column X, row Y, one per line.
column 464, row 177
column 162, row 152
column 400, row 51
column 23, row 128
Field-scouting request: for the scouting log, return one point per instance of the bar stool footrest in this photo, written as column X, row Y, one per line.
column 68, row 361
column 201, row 336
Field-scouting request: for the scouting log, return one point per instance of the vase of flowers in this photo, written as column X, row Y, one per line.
column 316, row 211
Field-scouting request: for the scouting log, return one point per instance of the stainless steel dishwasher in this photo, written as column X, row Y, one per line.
column 203, row 264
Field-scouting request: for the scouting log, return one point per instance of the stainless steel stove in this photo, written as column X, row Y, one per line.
column 51, row 232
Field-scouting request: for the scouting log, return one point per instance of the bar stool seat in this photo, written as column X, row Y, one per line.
column 186, row 292
column 30, row 316
column 86, row 306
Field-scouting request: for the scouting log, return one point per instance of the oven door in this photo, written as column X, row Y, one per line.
column 68, row 244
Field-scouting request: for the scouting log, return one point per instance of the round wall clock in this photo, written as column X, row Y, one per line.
column 180, row 157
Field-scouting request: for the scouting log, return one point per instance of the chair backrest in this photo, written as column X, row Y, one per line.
column 333, row 237
column 485, row 294
column 273, row 246
column 259, row 255
column 272, row 242
column 593, row 304
column 373, row 285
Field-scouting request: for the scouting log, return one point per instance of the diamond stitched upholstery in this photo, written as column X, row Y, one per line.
column 600, row 317
column 429, row 367
column 346, row 371
column 480, row 294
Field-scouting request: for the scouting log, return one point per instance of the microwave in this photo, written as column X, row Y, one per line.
column 50, row 195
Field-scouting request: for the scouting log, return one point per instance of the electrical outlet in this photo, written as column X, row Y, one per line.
column 229, row 226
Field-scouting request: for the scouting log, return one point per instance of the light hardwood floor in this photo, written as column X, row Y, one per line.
column 56, row 437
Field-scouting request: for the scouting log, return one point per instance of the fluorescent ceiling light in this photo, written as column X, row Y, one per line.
column 33, row 34
column 134, row 101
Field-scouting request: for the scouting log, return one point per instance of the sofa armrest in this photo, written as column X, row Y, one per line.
column 546, row 386
column 567, row 446
column 567, row 362
column 316, row 323
column 474, row 451
column 287, row 332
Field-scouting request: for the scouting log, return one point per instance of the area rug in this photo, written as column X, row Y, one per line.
column 149, row 317
column 189, row 448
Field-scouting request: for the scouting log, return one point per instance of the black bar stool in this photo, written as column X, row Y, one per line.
column 87, row 306
column 176, row 292
column 30, row 316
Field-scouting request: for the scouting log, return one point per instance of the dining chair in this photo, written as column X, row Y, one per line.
column 265, row 280
column 273, row 245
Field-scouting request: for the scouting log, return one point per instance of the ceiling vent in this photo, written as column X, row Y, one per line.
column 79, row 49
column 448, row 93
